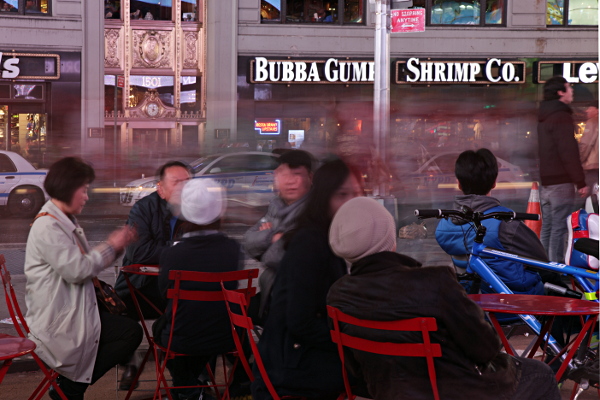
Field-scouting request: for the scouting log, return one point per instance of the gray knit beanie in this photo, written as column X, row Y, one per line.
column 361, row 227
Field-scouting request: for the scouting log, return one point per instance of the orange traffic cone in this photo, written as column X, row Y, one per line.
column 533, row 207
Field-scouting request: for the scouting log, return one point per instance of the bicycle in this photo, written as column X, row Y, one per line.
column 586, row 280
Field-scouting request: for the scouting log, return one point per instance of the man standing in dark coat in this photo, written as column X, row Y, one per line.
column 560, row 167
column 386, row 286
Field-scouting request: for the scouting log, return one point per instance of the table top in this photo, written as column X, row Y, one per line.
column 534, row 304
column 141, row 269
column 11, row 347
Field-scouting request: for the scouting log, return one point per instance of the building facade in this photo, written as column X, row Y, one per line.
column 299, row 73
column 51, row 89
column 154, row 80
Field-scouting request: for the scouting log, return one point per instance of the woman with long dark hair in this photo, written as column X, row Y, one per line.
column 300, row 358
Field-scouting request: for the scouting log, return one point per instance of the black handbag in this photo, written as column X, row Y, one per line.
column 107, row 296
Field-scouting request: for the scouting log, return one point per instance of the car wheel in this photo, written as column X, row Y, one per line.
column 25, row 201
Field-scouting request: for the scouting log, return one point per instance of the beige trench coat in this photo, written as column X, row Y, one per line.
column 62, row 313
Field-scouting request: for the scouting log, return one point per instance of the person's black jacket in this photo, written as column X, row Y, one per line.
column 389, row 286
column 201, row 328
column 151, row 218
column 296, row 345
column 558, row 149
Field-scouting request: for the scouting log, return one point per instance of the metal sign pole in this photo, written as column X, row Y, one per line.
column 115, row 133
column 381, row 95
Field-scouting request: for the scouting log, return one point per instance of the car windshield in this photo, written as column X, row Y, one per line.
column 199, row 164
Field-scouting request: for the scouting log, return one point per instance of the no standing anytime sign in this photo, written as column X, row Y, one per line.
column 412, row 20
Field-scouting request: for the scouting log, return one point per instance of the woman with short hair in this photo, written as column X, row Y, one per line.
column 73, row 335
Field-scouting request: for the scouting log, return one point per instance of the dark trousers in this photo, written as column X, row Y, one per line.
column 185, row 371
column 537, row 381
column 119, row 337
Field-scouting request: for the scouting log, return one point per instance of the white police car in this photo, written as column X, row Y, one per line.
column 247, row 176
column 21, row 185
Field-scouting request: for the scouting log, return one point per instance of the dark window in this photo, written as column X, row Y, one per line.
column 25, row 7
column 189, row 11
column 345, row 12
column 572, row 12
column 465, row 12
column 150, row 10
column 6, row 164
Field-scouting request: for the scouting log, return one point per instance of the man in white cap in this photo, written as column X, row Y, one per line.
column 386, row 286
column 202, row 329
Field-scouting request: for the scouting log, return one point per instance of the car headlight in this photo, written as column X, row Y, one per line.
column 149, row 185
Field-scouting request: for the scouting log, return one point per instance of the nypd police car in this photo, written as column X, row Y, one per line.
column 247, row 177
column 21, row 185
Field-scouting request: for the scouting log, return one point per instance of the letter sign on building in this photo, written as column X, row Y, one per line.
column 574, row 71
column 29, row 66
column 332, row 70
column 493, row 71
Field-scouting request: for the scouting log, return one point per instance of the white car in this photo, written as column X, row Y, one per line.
column 21, row 185
column 247, row 176
column 434, row 182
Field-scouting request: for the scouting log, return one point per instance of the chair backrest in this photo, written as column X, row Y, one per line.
column 11, row 300
column 425, row 349
column 242, row 320
column 177, row 293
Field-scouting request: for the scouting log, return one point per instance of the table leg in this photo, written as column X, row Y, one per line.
column 588, row 325
column 500, row 332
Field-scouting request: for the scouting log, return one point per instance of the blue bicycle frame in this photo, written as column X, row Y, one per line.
column 478, row 265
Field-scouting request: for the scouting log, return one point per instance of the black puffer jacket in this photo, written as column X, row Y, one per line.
column 388, row 286
column 151, row 218
column 558, row 150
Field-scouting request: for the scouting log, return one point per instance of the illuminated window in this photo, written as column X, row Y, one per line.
column 151, row 10
column 572, row 12
column 464, row 12
column 27, row 7
column 313, row 11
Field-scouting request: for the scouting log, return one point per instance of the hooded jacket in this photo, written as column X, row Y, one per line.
column 456, row 238
column 389, row 286
column 558, row 149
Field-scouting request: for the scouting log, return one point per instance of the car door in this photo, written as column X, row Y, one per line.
column 8, row 177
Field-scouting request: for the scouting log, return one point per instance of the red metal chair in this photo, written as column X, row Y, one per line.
column 10, row 348
column 177, row 294
column 243, row 321
column 425, row 349
column 23, row 330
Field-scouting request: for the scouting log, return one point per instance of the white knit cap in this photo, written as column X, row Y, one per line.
column 202, row 201
column 361, row 227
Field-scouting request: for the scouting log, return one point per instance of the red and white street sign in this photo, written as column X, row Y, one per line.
column 408, row 20
column 120, row 81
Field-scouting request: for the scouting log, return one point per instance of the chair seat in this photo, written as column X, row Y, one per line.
column 13, row 347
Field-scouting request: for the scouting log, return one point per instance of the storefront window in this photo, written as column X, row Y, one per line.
column 313, row 11
column 189, row 11
column 141, row 84
column 29, row 7
column 112, row 9
column 109, row 95
column 190, row 94
column 572, row 12
column 150, row 10
column 467, row 12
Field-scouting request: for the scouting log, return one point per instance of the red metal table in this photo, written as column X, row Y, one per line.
column 551, row 306
column 12, row 347
column 149, row 270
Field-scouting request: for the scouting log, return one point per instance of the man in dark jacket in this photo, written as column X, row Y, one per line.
column 560, row 167
column 477, row 172
column 155, row 218
column 202, row 329
column 386, row 286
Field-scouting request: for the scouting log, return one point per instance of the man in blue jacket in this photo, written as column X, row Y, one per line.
column 476, row 172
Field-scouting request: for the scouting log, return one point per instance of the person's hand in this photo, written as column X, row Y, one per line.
column 122, row 237
column 264, row 226
column 583, row 192
column 276, row 237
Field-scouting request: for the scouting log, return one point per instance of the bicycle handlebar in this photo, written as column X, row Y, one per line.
column 468, row 215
